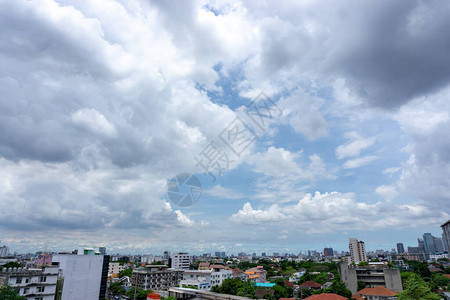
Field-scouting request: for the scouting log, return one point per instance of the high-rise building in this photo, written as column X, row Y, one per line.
column 263, row 254
column 222, row 254
column 357, row 251
column 428, row 242
column 421, row 245
column 438, row 244
column 83, row 276
column 400, row 248
column 328, row 252
column 217, row 254
column 446, row 235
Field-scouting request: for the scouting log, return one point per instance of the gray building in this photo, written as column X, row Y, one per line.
column 446, row 235
column 372, row 275
column 428, row 242
column 400, row 248
column 156, row 277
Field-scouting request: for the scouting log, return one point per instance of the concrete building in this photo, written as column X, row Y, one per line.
column 373, row 275
column 33, row 284
column 357, row 251
column 180, row 260
column 205, row 279
column 446, row 234
column 82, row 276
column 156, row 277
column 400, row 248
column 115, row 268
column 438, row 244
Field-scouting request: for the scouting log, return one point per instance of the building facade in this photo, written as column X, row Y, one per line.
column 180, row 260
column 156, row 277
column 446, row 235
column 82, row 276
column 373, row 275
column 400, row 248
column 357, row 251
column 115, row 268
column 33, row 284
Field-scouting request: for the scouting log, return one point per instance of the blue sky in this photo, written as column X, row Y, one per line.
column 102, row 103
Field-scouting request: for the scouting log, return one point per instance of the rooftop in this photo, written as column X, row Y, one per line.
column 376, row 291
column 326, row 296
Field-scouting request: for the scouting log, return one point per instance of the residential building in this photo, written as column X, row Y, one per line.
column 180, row 260
column 357, row 251
column 33, row 284
column 156, row 277
column 115, row 268
column 373, row 275
column 205, row 279
column 82, row 276
column 310, row 285
column 326, row 296
column 257, row 274
column 400, row 248
column 204, row 266
column 377, row 293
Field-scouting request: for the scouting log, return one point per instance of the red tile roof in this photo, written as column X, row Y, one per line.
column 326, row 296
column 288, row 283
column 376, row 291
column 311, row 284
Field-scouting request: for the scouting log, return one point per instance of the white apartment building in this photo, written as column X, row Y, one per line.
column 115, row 268
column 357, row 251
column 33, row 284
column 180, row 260
column 205, row 279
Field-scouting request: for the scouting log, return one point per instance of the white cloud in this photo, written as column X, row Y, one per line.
column 388, row 192
column 359, row 162
column 333, row 211
column 224, row 193
column 356, row 145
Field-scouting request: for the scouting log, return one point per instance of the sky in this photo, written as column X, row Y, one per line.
column 305, row 122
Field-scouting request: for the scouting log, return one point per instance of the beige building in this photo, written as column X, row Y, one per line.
column 373, row 275
column 115, row 268
column 156, row 277
column 357, row 251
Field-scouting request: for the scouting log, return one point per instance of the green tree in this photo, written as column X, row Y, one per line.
column 126, row 272
column 338, row 287
column 417, row 288
column 140, row 293
column 11, row 264
column 361, row 285
column 438, row 281
column 7, row 292
column 116, row 288
column 280, row 292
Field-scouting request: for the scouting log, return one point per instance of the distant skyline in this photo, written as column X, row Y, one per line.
column 102, row 103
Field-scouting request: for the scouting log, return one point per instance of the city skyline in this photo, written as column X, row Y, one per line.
column 223, row 126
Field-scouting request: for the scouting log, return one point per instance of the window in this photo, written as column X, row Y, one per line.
column 26, row 290
column 40, row 289
column 43, row 279
column 18, row 280
column 28, row 280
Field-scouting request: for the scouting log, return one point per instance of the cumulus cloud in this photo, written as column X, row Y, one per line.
column 359, row 162
column 337, row 211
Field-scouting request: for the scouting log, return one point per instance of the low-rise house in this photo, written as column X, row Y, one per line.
column 377, row 293
column 204, row 266
column 311, row 285
column 326, row 296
